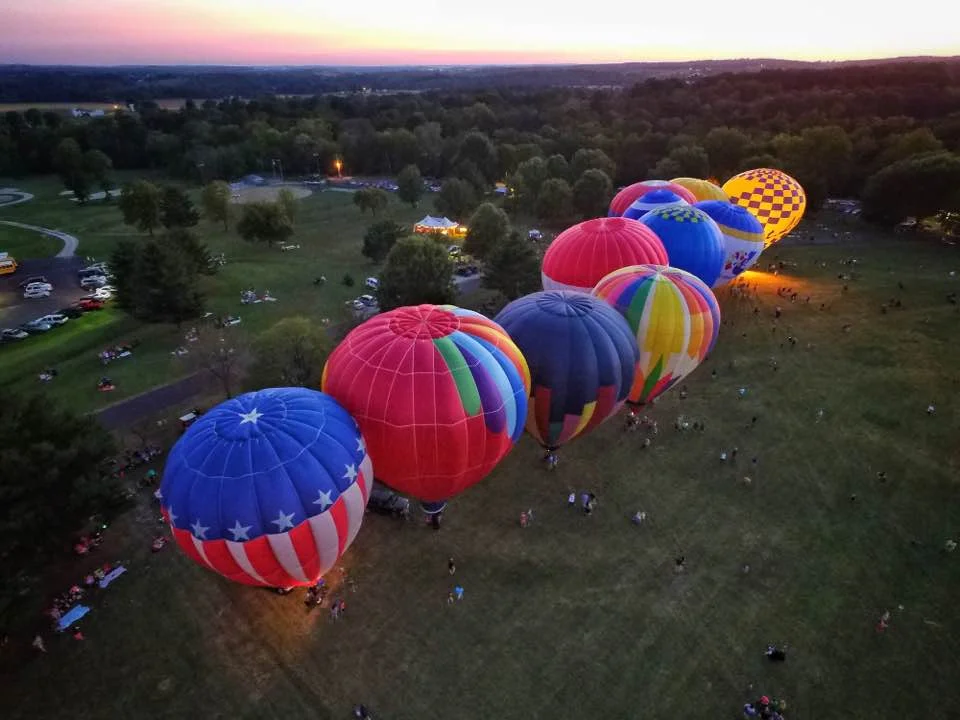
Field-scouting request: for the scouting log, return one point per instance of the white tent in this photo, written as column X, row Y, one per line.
column 430, row 223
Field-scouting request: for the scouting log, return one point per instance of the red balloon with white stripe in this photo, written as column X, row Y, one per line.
column 268, row 488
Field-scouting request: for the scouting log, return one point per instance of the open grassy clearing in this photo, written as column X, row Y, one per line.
column 27, row 244
column 584, row 617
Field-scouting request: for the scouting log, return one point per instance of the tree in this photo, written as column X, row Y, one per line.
column 177, row 209
column 123, row 265
column 371, row 198
column 488, row 226
column 380, row 238
column 288, row 203
column 683, row 161
column 165, row 284
column 222, row 352
column 264, row 222
column 529, row 178
column 588, row 159
column 68, row 160
column 54, row 479
column 918, row 187
column 725, row 148
column 418, row 270
column 291, row 353
column 513, row 267
column 216, row 202
column 410, row 185
column 140, row 205
column 555, row 200
column 194, row 251
column 97, row 166
column 456, row 199
column 592, row 193
column 558, row 167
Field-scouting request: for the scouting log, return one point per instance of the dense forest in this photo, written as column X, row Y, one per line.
column 833, row 129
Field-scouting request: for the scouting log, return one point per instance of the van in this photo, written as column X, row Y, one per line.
column 7, row 264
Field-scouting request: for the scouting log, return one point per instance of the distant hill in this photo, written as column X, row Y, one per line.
column 26, row 83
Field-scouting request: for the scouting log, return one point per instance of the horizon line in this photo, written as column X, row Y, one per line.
column 291, row 66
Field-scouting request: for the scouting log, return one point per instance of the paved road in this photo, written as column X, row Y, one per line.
column 70, row 242
column 175, row 396
column 10, row 196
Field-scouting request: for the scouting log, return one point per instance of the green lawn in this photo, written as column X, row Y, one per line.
column 329, row 231
column 584, row 617
column 27, row 244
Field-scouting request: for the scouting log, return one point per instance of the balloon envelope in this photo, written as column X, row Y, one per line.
column 581, row 255
column 742, row 237
column 268, row 488
column 775, row 198
column 439, row 392
column 652, row 201
column 582, row 358
column 702, row 189
column 630, row 194
column 692, row 239
column 674, row 316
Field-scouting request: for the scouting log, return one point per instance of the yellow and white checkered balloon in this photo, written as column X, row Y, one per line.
column 775, row 198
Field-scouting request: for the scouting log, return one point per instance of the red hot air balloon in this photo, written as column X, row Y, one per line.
column 440, row 394
column 582, row 255
column 631, row 193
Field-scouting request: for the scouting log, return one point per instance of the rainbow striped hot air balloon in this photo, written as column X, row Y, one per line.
column 674, row 317
column 742, row 237
column 630, row 194
column 439, row 392
column 582, row 360
column 653, row 200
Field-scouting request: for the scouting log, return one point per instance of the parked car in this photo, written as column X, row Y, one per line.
column 454, row 250
column 103, row 293
column 35, row 326
column 36, row 293
column 386, row 502
column 55, row 319
column 372, row 283
column 94, row 269
column 88, row 303
column 13, row 334
column 535, row 235
column 93, row 281
column 34, row 279
column 72, row 312
column 467, row 271
column 38, row 286
column 368, row 300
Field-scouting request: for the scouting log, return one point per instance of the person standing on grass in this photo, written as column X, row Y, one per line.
column 571, row 499
column 39, row 644
column 451, row 566
column 458, row 593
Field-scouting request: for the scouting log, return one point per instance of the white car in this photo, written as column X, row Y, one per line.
column 368, row 300
column 103, row 293
column 372, row 283
column 93, row 281
column 54, row 319
column 11, row 334
column 36, row 293
column 453, row 250
column 38, row 286
column 101, row 268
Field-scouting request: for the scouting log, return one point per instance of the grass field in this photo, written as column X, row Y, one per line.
column 26, row 244
column 329, row 231
column 584, row 617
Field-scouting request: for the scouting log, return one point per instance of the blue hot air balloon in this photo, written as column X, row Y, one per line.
column 582, row 357
column 653, row 200
column 693, row 240
column 268, row 488
column 742, row 236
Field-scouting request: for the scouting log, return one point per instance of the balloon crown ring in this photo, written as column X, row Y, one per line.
column 423, row 322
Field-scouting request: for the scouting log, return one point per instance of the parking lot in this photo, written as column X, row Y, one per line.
column 62, row 274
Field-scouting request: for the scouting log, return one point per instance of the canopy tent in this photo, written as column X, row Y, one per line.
column 442, row 225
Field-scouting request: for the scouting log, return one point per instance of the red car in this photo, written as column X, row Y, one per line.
column 88, row 303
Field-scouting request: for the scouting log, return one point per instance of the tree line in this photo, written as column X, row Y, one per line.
column 832, row 129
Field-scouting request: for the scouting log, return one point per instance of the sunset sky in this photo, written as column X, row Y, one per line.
column 389, row 32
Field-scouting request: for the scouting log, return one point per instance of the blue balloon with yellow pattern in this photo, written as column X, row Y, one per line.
column 742, row 237
column 582, row 356
column 693, row 240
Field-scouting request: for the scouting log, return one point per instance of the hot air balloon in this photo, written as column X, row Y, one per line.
column 268, row 488
column 693, row 241
column 629, row 195
column 775, row 198
column 653, row 200
column 582, row 358
column 440, row 394
column 675, row 318
column 581, row 255
column 702, row 189
column 742, row 237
